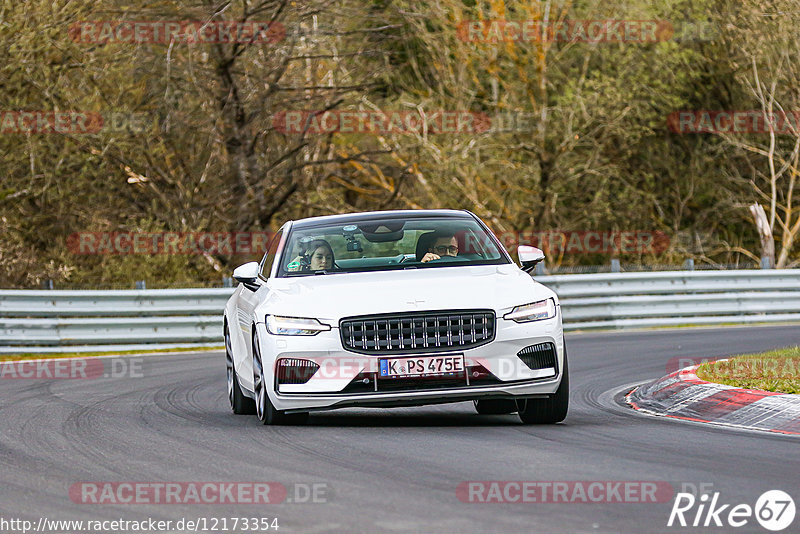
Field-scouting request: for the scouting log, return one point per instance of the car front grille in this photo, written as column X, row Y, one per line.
column 418, row 332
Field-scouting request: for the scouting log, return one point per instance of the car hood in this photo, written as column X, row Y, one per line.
column 334, row 296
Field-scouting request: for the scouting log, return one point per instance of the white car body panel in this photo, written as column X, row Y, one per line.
column 331, row 297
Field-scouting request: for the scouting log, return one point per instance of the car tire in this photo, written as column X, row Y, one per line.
column 495, row 406
column 266, row 412
column 550, row 410
column 240, row 404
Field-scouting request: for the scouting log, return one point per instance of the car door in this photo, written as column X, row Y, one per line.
column 248, row 299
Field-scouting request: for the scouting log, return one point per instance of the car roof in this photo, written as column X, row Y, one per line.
column 377, row 215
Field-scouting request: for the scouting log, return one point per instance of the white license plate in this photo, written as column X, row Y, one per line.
column 422, row 366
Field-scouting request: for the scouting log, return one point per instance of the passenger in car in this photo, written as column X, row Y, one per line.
column 317, row 256
column 441, row 245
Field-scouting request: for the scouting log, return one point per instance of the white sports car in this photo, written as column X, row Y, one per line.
column 393, row 308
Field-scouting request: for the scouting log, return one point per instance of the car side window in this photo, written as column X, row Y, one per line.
column 269, row 258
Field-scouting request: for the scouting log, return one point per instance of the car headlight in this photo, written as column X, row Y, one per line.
column 294, row 326
column 535, row 311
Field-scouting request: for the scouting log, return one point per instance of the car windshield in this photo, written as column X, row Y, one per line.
column 388, row 244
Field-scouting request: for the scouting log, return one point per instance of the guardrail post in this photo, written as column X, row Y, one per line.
column 615, row 266
column 766, row 262
column 139, row 284
column 688, row 265
column 539, row 270
column 227, row 281
column 47, row 284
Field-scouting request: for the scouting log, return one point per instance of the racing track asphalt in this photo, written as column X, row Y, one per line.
column 386, row 470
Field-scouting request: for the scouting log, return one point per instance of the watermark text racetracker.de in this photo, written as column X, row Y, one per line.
column 73, row 122
column 176, row 31
column 565, row 31
column 205, row 493
column 743, row 368
column 169, row 243
column 293, row 373
column 380, row 122
column 71, row 368
column 589, row 241
column 734, row 122
column 494, row 31
column 564, row 492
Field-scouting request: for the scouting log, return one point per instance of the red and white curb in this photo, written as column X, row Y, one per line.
column 682, row 395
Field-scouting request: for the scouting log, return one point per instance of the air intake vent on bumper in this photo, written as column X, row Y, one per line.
column 295, row 370
column 540, row 356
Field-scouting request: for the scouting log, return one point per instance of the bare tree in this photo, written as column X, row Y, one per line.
column 763, row 50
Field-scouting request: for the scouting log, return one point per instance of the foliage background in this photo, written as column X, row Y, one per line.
column 600, row 156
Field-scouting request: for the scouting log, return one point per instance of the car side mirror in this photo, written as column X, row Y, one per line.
column 529, row 257
column 247, row 274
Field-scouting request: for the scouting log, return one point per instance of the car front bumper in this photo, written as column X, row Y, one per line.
column 338, row 369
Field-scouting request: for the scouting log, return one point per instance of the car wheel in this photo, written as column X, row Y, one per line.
column 550, row 410
column 495, row 406
column 265, row 411
column 240, row 404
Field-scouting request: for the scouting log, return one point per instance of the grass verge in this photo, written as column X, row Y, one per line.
column 777, row 370
column 39, row 355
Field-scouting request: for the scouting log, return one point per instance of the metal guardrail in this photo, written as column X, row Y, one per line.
column 656, row 299
column 59, row 321
column 100, row 320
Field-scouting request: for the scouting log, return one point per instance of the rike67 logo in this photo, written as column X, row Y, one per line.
column 774, row 510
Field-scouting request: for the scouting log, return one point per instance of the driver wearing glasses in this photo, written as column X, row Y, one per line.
column 442, row 245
